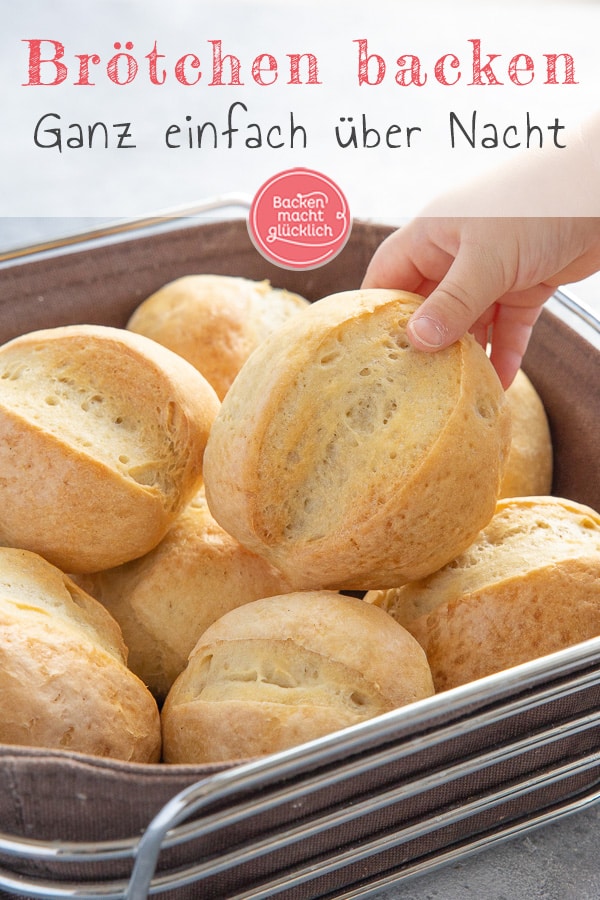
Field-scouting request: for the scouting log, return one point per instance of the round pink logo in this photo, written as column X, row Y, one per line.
column 299, row 219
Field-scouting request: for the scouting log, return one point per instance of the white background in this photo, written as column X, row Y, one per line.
column 381, row 183
column 45, row 193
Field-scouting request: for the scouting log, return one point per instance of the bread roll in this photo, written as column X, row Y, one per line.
column 530, row 461
column 351, row 460
column 529, row 585
column 166, row 599
column 287, row 669
column 215, row 321
column 102, row 435
column 64, row 682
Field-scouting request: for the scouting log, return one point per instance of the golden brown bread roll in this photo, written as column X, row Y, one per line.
column 166, row 599
column 351, row 460
column 287, row 669
column 102, row 435
column 64, row 682
column 529, row 585
column 530, row 461
column 215, row 321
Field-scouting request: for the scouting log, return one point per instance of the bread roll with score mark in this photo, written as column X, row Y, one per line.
column 102, row 436
column 64, row 682
column 529, row 585
column 283, row 670
column 165, row 600
column 349, row 459
column 215, row 321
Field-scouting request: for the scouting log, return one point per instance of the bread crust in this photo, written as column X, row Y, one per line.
column 286, row 669
column 166, row 599
column 102, row 436
column 63, row 675
column 351, row 460
column 528, row 586
column 513, row 623
column 215, row 321
column 529, row 466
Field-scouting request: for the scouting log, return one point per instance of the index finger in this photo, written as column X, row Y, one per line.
column 392, row 265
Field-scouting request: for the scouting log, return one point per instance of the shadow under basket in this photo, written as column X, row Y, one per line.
column 355, row 811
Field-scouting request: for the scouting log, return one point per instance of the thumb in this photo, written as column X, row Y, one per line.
column 473, row 283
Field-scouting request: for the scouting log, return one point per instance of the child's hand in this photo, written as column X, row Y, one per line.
column 487, row 275
column 487, row 256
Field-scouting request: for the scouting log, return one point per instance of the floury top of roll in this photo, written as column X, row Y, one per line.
column 351, row 460
column 102, row 436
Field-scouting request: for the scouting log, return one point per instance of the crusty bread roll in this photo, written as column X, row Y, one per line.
column 351, row 460
column 64, row 682
column 287, row 669
column 215, row 321
column 529, row 585
column 102, row 435
column 166, row 599
column 529, row 467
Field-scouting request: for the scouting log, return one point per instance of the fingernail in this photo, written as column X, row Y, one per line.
column 427, row 331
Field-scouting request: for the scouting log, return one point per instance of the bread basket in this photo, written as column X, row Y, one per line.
column 348, row 814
